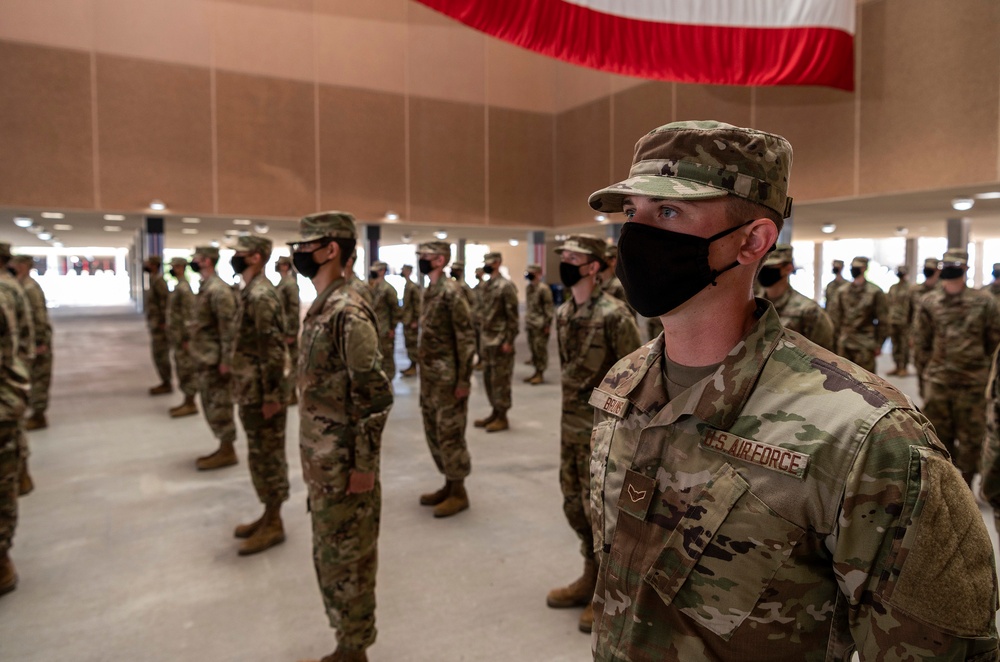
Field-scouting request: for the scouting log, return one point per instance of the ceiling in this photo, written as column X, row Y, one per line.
column 907, row 214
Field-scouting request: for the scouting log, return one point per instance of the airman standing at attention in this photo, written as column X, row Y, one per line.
column 595, row 330
column 385, row 302
column 155, row 306
column 797, row 312
column 41, row 366
column 410, row 316
column 180, row 315
column 994, row 286
column 213, row 332
column 447, row 345
column 900, row 300
column 25, row 334
column 498, row 327
column 958, row 328
column 345, row 400
column 834, row 285
column 358, row 285
column 477, row 312
column 538, row 321
column 860, row 315
column 288, row 292
column 932, row 279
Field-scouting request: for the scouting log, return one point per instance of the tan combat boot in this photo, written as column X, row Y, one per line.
column 483, row 422
column 343, row 655
column 8, row 576
column 224, row 457
column 587, row 618
column 456, row 502
column 25, row 484
column 411, row 371
column 434, row 498
column 162, row 389
column 498, row 424
column 269, row 533
column 536, row 379
column 186, row 408
column 578, row 594
column 248, row 529
column 36, row 422
column 528, row 379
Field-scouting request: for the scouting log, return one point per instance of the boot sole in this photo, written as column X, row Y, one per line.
column 9, row 587
column 566, row 604
column 450, row 514
column 183, row 414
column 258, row 550
column 218, row 466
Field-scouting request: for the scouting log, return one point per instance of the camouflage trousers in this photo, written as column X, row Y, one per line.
column 498, row 373
column 900, row 337
column 387, row 346
column 538, row 342
column 187, row 371
column 41, row 381
column 444, row 426
column 345, row 553
column 161, row 354
column 10, row 467
column 217, row 403
column 864, row 357
column 410, row 338
column 266, row 446
column 958, row 414
column 574, row 470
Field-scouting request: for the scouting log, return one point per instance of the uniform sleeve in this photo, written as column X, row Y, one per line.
column 40, row 316
column 882, row 315
column 465, row 338
column 624, row 334
column 160, row 294
column 509, row 302
column 369, row 389
column 175, row 319
column 224, row 304
column 923, row 336
column 392, row 300
column 290, row 299
column 911, row 553
column 989, row 462
column 26, row 327
column 835, row 310
column 548, row 309
column 269, row 329
column 991, row 339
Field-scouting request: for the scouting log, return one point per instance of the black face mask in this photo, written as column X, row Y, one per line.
column 951, row 273
column 836, row 271
column 570, row 274
column 424, row 266
column 996, row 274
column 856, row 271
column 305, row 264
column 488, row 269
column 929, row 273
column 457, row 275
column 900, row 275
column 147, row 270
column 529, row 277
column 661, row 269
column 12, row 271
column 239, row 263
column 195, row 267
column 768, row 276
column 372, row 275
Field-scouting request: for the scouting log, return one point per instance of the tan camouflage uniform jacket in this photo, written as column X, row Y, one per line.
column 447, row 336
column 22, row 316
column 499, row 319
column 993, row 288
column 989, row 461
column 385, row 303
column 260, row 362
column 958, row 334
column 15, row 376
column 803, row 315
column 614, row 287
column 213, row 328
column 157, row 297
column 831, row 288
column 790, row 506
column 410, row 311
column 900, row 299
column 40, row 323
column 860, row 316
column 471, row 298
column 288, row 292
column 540, row 308
column 180, row 313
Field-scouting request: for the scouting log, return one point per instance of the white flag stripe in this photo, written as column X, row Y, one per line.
column 838, row 14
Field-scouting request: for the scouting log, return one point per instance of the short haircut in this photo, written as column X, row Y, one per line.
column 741, row 210
column 346, row 248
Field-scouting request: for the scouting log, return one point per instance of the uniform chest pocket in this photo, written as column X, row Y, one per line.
column 717, row 563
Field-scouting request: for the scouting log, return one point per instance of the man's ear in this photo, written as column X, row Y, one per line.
column 762, row 235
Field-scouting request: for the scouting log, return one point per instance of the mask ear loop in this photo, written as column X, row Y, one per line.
column 719, row 235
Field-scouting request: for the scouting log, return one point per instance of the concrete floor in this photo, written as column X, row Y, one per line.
column 125, row 551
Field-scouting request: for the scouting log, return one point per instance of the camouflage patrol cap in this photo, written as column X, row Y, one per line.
column 435, row 248
column 380, row 266
column 838, row 263
column 22, row 259
column 458, row 265
column 611, row 252
column 337, row 224
column 587, row 244
column 704, row 160
column 285, row 260
column 492, row 257
column 860, row 261
column 534, row 268
column 932, row 263
column 178, row 262
column 902, row 270
column 152, row 259
column 253, row 243
column 782, row 254
column 996, row 266
column 955, row 256
column 211, row 252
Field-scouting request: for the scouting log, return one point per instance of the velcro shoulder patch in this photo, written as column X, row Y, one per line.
column 610, row 404
column 764, row 455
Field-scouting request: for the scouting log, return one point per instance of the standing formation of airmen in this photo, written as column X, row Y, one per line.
column 860, row 315
column 797, row 312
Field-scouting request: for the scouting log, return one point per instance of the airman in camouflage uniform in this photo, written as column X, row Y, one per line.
column 41, row 366
column 538, row 322
column 180, row 314
column 834, row 285
column 498, row 328
column 288, row 292
column 262, row 387
column 989, row 461
column 860, row 315
column 447, row 345
column 477, row 312
column 994, row 286
column 385, row 302
column 932, row 279
column 595, row 330
column 355, row 283
column 213, row 331
column 26, row 354
column 155, row 306
column 900, row 300
column 797, row 312
column 410, row 317
column 755, row 496
column 15, row 382
column 345, row 400
column 958, row 328
column 458, row 275
column 610, row 284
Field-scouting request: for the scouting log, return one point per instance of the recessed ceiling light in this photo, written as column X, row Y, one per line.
column 114, row 217
column 989, row 195
column 441, row 234
column 44, row 236
column 62, row 227
column 52, row 214
column 241, row 221
column 22, row 222
column 261, row 228
column 190, row 219
column 189, row 231
column 513, row 242
column 601, row 218
column 962, row 204
column 391, row 216
column 902, row 231
column 157, row 205
column 829, row 228
column 57, row 244
column 232, row 233
column 112, row 228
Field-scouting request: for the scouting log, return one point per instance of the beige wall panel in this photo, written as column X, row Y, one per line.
column 575, row 86
column 637, row 111
column 447, row 63
column 292, row 5
column 583, row 160
column 418, row 14
column 362, row 155
column 46, row 127
column 929, row 99
column 269, row 42
column 177, row 31
column 447, row 162
column 713, row 102
column 61, row 23
column 521, row 168
column 155, row 129
column 380, row 65
column 518, row 78
column 266, row 146
column 375, row 10
column 819, row 123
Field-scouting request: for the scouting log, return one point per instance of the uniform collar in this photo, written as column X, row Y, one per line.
column 320, row 301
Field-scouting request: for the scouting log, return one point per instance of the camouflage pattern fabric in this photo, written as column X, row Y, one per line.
column 831, row 289
column 900, row 304
column 993, row 288
column 801, row 314
column 409, row 314
column 613, row 287
column 41, row 366
column 213, row 332
column 860, row 315
column 789, row 506
column 17, row 302
column 288, row 292
column 15, row 383
column 385, row 303
column 180, row 314
column 498, row 326
column 10, row 471
column 344, row 403
column 216, row 393
column 361, row 287
column 989, row 462
column 920, row 358
column 266, row 450
column 538, row 322
column 498, row 373
column 156, row 320
column 447, row 345
column 592, row 338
